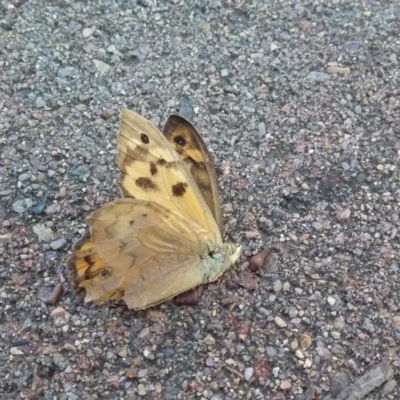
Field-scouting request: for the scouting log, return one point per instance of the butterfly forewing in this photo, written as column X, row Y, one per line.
column 150, row 169
column 190, row 146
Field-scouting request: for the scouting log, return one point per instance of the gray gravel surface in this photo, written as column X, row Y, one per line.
column 299, row 102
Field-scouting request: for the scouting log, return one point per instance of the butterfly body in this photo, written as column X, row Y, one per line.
column 161, row 239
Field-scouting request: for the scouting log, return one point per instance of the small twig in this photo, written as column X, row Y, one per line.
column 367, row 383
column 237, row 373
column 36, row 381
column 232, row 306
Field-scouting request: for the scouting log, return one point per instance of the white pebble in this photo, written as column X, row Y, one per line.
column 248, row 373
column 16, row 352
column 299, row 354
column 280, row 322
column 331, row 300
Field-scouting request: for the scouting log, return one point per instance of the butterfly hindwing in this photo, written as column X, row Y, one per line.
column 143, row 248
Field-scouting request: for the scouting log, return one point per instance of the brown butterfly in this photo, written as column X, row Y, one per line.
column 165, row 236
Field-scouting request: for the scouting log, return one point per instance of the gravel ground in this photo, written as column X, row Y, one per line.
column 299, row 102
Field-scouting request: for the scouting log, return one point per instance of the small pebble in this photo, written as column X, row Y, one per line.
column 142, row 391
column 299, row 354
column 339, row 323
column 248, row 373
column 286, row 287
column 331, row 300
column 224, row 72
column 57, row 244
column 40, row 102
column 277, row 286
column 280, row 322
column 389, row 386
column 23, row 177
column 87, row 32
column 209, row 340
column 324, row 353
column 15, row 351
column 101, row 66
column 308, row 363
column 142, row 373
column 305, row 341
column 43, row 233
column 21, row 206
column 285, row 385
column 318, row 77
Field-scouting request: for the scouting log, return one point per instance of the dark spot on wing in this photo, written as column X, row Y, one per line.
column 180, row 141
column 146, row 184
column 153, row 168
column 106, row 272
column 144, row 138
column 179, row 189
column 172, row 164
column 162, row 163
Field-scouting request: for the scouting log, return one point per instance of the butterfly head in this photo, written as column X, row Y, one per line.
column 219, row 260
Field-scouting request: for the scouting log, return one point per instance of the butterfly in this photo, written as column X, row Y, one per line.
column 164, row 237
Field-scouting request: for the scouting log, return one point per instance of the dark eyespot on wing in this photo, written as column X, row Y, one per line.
column 180, row 140
column 161, row 162
column 146, row 184
column 144, row 138
column 179, row 189
column 153, row 168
